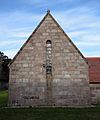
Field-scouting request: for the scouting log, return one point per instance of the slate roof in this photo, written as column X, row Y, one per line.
column 94, row 69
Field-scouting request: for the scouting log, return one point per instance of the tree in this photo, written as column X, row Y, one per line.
column 4, row 70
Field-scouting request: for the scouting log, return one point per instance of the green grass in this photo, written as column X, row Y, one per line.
column 46, row 113
column 3, row 98
column 50, row 114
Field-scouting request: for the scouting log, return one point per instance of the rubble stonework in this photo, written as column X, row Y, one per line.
column 69, row 85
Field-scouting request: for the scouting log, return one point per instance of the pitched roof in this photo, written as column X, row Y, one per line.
column 94, row 69
column 48, row 13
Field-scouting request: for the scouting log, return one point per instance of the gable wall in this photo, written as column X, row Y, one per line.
column 70, row 83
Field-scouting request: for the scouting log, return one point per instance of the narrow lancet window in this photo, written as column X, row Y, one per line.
column 48, row 57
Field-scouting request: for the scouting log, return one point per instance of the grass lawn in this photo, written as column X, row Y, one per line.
column 46, row 113
column 3, row 98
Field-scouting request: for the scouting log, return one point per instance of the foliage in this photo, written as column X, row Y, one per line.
column 4, row 70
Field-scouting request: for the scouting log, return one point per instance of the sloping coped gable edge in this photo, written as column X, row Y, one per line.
column 48, row 13
column 27, row 40
column 68, row 38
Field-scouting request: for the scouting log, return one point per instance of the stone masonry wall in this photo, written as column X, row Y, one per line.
column 70, row 83
column 95, row 93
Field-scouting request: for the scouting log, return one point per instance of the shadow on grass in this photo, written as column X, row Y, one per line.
column 50, row 114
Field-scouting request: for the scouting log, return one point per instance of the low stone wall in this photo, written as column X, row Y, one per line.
column 95, row 93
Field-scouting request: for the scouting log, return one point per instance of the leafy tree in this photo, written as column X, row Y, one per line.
column 4, row 70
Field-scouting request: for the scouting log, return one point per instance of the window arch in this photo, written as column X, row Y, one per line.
column 48, row 42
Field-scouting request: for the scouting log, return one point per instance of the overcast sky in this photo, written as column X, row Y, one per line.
column 80, row 19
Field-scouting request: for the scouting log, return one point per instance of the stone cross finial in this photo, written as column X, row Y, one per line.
column 48, row 11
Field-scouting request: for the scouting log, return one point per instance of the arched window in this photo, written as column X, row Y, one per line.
column 48, row 57
column 48, row 43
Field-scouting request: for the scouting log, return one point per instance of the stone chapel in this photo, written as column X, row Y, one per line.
column 49, row 70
